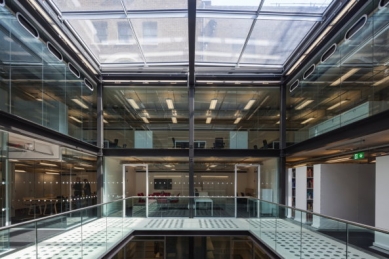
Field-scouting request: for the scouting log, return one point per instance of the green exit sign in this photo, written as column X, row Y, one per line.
column 359, row 155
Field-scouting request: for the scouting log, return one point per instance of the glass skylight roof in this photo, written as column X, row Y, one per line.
column 229, row 33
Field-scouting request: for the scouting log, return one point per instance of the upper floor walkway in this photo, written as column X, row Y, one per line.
column 92, row 232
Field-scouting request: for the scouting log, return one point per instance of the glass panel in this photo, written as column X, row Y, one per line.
column 304, row 6
column 141, row 118
column 220, row 40
column 351, row 85
column 323, row 237
column 274, row 46
column 110, row 41
column 237, row 118
column 247, row 5
column 155, row 5
column 36, row 86
column 99, row 5
column 163, row 40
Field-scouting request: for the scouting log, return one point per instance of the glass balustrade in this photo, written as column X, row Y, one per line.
column 93, row 231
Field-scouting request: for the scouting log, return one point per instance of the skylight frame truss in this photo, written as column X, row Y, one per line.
column 183, row 13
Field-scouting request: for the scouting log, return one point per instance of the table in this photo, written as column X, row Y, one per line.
column 185, row 144
column 38, row 202
column 205, row 200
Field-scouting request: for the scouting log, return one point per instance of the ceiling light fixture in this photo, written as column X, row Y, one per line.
column 133, row 103
column 105, row 121
column 212, row 105
column 51, row 173
column 75, row 119
column 80, row 103
column 169, row 103
column 208, row 120
column 20, row 171
column 337, row 104
column 381, row 81
column 214, row 176
column 249, row 104
column 174, row 119
column 303, row 104
column 237, row 120
column 78, row 168
column 174, row 113
column 307, row 120
column 344, row 77
column 47, row 164
column 145, row 120
column 338, row 160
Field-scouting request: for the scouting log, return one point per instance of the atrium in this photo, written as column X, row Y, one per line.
column 194, row 116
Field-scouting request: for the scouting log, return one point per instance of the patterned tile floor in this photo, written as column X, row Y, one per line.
column 91, row 240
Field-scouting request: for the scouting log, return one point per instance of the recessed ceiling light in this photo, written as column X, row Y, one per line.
column 75, row 119
column 303, row 104
column 80, row 103
column 174, row 119
column 208, row 120
column 169, row 103
column 212, row 105
column 133, row 103
column 249, row 104
column 237, row 120
column 337, row 104
column 145, row 120
column 307, row 120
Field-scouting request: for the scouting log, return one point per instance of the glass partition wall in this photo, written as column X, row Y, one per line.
column 42, row 179
column 345, row 82
column 43, row 87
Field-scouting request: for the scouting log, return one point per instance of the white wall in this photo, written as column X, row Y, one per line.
column 382, row 201
column 345, row 191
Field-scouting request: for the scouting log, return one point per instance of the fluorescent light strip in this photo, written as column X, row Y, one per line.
column 145, row 119
column 133, row 103
column 169, row 103
column 75, row 119
column 208, row 120
column 249, row 104
column 51, row 173
column 78, row 168
column 174, row 119
column 237, row 120
column 344, row 77
column 381, row 81
column 337, row 104
column 303, row 104
column 307, row 120
column 214, row 176
column 80, row 103
column 20, row 171
column 338, row 160
column 105, row 121
column 47, row 164
column 212, row 105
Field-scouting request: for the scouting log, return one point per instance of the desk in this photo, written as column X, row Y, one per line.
column 185, row 144
column 205, row 200
column 38, row 202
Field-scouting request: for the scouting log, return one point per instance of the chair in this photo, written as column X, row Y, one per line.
column 218, row 143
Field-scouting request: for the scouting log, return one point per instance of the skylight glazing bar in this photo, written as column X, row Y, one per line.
column 87, row 15
column 134, row 34
column 249, row 34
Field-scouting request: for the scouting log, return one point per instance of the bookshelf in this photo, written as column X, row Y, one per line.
column 309, row 193
column 293, row 190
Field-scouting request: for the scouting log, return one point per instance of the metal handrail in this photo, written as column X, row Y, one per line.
column 179, row 197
